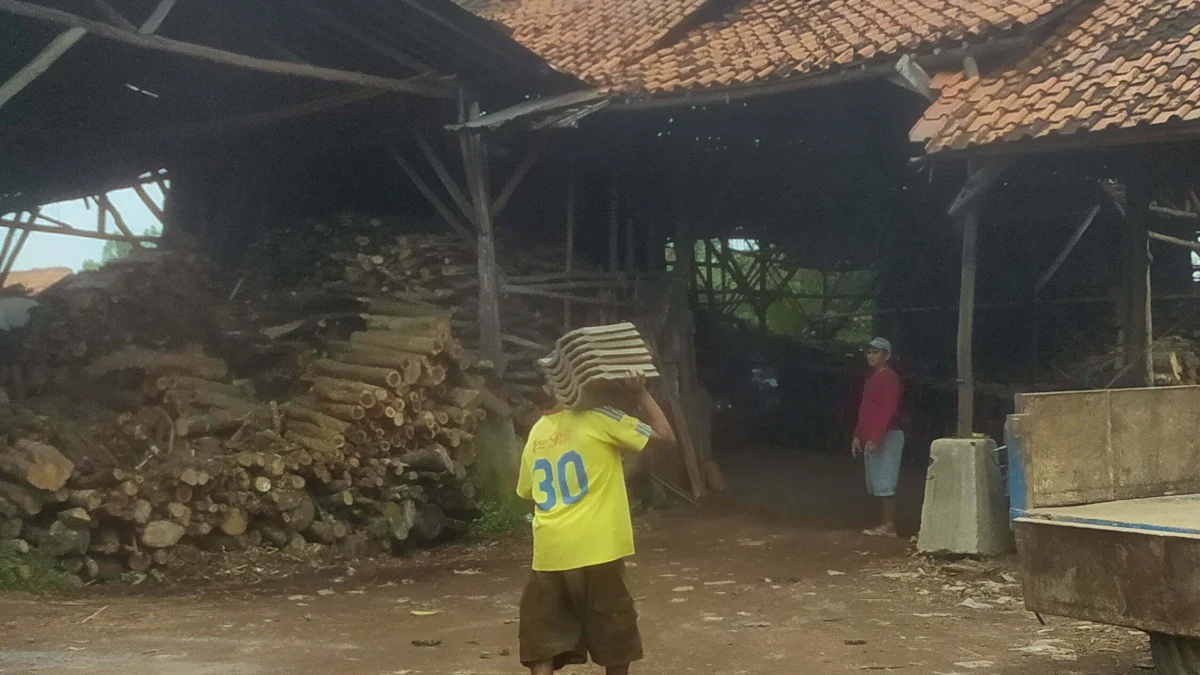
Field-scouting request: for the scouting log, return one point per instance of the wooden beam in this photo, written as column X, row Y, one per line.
column 18, row 225
column 444, row 175
column 966, row 323
column 518, row 174
column 114, row 17
column 475, row 162
column 420, row 86
column 149, row 202
column 118, row 220
column 438, row 205
column 979, row 181
column 1062, row 256
column 157, row 17
column 1195, row 246
column 40, row 63
column 8, row 242
column 378, row 46
column 614, row 215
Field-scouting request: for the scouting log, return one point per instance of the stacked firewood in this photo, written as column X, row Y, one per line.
column 370, row 455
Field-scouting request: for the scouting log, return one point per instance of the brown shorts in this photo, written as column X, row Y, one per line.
column 567, row 615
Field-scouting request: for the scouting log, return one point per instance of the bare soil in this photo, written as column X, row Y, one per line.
column 727, row 592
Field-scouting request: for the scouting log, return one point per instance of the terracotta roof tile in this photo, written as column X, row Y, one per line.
column 1113, row 65
column 621, row 43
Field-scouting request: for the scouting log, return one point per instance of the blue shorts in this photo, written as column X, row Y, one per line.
column 883, row 465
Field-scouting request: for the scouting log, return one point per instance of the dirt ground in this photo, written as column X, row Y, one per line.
column 731, row 590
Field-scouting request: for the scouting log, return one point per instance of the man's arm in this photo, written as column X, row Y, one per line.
column 652, row 414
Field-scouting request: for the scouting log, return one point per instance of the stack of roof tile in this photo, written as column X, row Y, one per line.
column 589, row 356
column 1119, row 64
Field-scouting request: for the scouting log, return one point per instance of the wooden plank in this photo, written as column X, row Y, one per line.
column 40, row 63
column 518, row 174
column 1062, row 256
column 966, row 323
column 420, row 86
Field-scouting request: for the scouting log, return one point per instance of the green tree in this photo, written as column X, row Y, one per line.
column 115, row 250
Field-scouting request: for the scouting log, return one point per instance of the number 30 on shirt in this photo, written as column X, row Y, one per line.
column 551, row 480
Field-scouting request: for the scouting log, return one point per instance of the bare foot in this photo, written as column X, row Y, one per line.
column 881, row 531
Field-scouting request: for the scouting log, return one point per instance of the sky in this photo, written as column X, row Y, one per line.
column 57, row 250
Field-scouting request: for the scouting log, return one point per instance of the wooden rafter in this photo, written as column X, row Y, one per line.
column 444, row 176
column 518, row 174
column 73, row 231
column 447, row 214
column 420, row 86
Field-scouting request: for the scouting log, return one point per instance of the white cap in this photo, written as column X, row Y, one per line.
column 881, row 344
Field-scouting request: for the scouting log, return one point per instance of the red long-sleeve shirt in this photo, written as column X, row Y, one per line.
column 880, row 405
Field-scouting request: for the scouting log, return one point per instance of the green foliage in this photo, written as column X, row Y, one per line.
column 31, row 573
column 498, row 521
column 115, row 250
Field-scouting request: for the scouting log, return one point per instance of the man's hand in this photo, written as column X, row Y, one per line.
column 634, row 381
column 856, row 448
column 870, row 447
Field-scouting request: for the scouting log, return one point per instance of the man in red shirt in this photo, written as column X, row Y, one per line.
column 878, row 436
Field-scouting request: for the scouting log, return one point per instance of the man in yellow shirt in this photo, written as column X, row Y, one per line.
column 576, row 601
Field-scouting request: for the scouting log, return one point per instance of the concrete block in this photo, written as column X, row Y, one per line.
column 965, row 511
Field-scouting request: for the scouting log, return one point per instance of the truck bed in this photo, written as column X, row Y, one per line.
column 1179, row 514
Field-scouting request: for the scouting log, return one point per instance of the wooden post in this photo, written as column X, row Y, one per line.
column 570, row 252
column 966, row 323
column 41, row 63
column 475, row 160
column 1136, row 265
column 614, row 223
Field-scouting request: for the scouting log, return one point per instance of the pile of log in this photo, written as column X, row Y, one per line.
column 1175, row 359
column 370, row 456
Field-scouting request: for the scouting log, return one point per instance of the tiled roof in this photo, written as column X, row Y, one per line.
column 620, row 42
column 1118, row 64
column 772, row 39
column 594, row 40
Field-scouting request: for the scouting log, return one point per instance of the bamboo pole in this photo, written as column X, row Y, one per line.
column 419, row 86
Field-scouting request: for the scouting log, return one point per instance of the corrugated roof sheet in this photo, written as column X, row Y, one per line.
column 1120, row 64
column 618, row 43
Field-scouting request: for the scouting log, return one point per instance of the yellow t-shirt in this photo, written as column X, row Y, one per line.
column 571, row 469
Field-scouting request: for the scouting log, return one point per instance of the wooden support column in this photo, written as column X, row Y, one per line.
column 1136, row 323
column 614, row 223
column 966, row 322
column 570, row 252
column 475, row 161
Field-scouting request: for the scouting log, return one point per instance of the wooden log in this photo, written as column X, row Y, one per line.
column 326, row 532
column 75, row 517
column 194, row 477
column 320, row 419
column 209, row 399
column 105, row 541
column 329, row 436
column 36, row 464
column 272, row 533
column 318, row 448
column 345, row 413
column 303, row 516
column 141, row 512
column 180, row 513
column 406, row 363
column 464, row 399
column 417, row 344
column 383, row 377
column 209, row 423
column 431, row 522
column 29, row 501
column 437, row 327
column 143, row 359
column 104, row 568
column 369, row 394
column 188, row 382
column 433, row 457
column 262, row 484
column 432, row 376
column 138, row 561
column 400, row 308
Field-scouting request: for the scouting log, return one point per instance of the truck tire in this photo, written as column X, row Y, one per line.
column 1175, row 655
